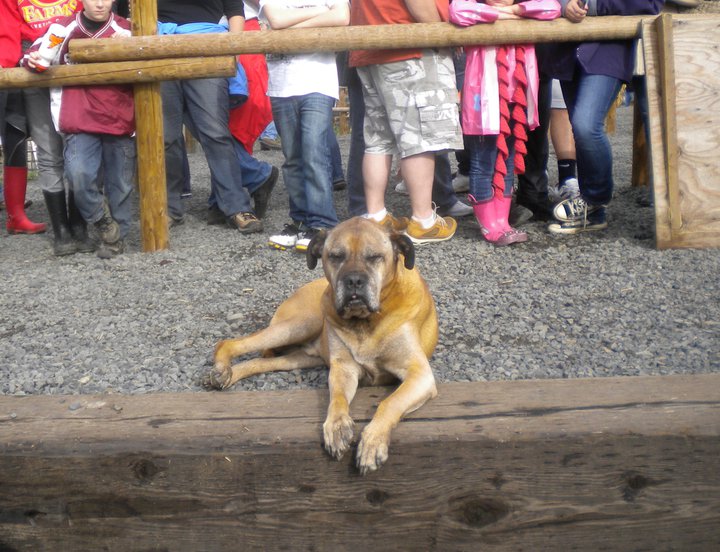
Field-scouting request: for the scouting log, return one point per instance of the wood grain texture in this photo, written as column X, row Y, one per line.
column 153, row 70
column 610, row 463
column 426, row 35
column 697, row 111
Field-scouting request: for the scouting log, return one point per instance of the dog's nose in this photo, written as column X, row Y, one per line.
column 355, row 281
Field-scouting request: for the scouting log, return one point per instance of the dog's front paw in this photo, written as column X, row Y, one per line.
column 338, row 434
column 372, row 451
column 219, row 377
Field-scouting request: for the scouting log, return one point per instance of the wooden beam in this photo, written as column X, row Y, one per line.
column 119, row 72
column 150, row 144
column 426, row 35
column 666, row 65
column 608, row 463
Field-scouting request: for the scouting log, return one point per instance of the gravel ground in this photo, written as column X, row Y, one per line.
column 606, row 304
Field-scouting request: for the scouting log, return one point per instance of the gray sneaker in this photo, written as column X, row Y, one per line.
column 110, row 250
column 107, row 228
column 245, row 223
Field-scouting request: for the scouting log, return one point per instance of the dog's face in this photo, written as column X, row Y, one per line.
column 359, row 258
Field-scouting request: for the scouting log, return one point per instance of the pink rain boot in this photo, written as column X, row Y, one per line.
column 487, row 219
column 502, row 210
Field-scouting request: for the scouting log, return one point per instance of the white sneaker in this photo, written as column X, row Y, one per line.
column 287, row 239
column 458, row 209
column 461, row 183
column 401, row 188
column 570, row 189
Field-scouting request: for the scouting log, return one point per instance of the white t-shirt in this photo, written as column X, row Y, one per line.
column 300, row 74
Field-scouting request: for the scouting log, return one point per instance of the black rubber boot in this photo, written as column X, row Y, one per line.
column 78, row 227
column 63, row 244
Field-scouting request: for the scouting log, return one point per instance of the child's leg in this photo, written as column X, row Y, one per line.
column 315, row 124
column 119, row 162
column 83, row 158
column 483, row 152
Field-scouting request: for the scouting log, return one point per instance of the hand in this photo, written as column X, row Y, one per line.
column 575, row 11
column 508, row 12
column 33, row 57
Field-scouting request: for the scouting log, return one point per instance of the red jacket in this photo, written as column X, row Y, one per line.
column 92, row 109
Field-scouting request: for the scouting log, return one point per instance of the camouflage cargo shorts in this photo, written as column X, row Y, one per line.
column 411, row 106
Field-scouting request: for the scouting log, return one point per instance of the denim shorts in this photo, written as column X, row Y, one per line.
column 411, row 106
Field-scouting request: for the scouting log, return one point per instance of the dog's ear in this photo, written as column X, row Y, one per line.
column 404, row 245
column 315, row 249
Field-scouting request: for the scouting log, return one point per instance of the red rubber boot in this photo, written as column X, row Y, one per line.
column 14, row 188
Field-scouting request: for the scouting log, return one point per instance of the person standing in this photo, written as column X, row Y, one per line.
column 411, row 108
column 13, row 127
column 303, row 89
column 591, row 75
column 206, row 104
column 500, row 95
column 98, row 124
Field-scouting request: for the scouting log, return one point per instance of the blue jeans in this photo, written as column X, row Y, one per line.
column 336, row 168
column 205, row 103
column 483, row 153
column 254, row 172
column 588, row 99
column 87, row 157
column 303, row 123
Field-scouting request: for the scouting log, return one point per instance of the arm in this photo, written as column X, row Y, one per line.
column 469, row 12
column 424, row 11
column 236, row 24
column 281, row 17
column 543, row 10
column 337, row 16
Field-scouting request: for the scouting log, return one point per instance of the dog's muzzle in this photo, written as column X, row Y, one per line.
column 353, row 299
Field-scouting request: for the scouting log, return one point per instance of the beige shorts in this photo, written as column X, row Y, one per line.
column 411, row 106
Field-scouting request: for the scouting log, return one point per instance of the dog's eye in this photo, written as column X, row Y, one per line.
column 336, row 257
column 374, row 258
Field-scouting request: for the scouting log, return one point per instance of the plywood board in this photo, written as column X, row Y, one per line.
column 690, row 217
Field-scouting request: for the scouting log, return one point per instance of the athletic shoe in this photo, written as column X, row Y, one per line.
column 401, row 188
column 304, row 238
column 576, row 216
column 245, row 223
column 595, row 221
column 443, row 229
column 461, row 183
column 569, row 189
column 286, row 239
column 575, row 209
column 261, row 196
column 174, row 222
column 458, row 209
column 392, row 223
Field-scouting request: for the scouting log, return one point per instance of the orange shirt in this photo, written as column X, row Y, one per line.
column 385, row 12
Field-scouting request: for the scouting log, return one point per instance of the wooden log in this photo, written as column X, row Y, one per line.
column 426, row 35
column 149, row 140
column 601, row 464
column 119, row 72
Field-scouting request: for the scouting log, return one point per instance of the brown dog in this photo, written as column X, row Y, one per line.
column 372, row 321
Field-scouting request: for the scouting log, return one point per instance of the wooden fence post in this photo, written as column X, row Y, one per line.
column 150, row 144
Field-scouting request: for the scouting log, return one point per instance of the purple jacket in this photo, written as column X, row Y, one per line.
column 611, row 58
